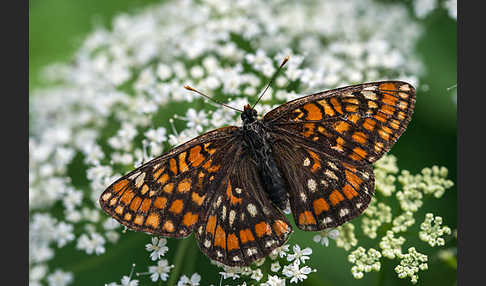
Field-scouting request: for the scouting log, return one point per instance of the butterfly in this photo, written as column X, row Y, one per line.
column 231, row 185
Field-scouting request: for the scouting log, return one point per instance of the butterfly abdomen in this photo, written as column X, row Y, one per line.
column 261, row 151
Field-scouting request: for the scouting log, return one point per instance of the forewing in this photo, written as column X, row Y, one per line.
column 323, row 191
column 356, row 124
column 165, row 196
column 241, row 225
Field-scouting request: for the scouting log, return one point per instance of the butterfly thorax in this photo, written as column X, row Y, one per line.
column 257, row 143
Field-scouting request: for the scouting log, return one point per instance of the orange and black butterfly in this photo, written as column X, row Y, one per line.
column 230, row 186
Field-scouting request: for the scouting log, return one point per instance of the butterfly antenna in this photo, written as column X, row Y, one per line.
column 285, row 60
column 213, row 100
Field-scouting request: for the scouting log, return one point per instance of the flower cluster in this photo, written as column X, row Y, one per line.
column 365, row 261
column 423, row 8
column 432, row 233
column 121, row 102
column 410, row 264
column 291, row 265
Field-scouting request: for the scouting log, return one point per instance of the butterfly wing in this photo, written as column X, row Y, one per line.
column 208, row 184
column 357, row 124
column 333, row 137
column 241, row 225
column 165, row 196
column 323, row 190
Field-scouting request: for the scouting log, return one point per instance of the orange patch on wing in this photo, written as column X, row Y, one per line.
column 395, row 124
column 153, row 220
column 211, row 224
column 128, row 217
column 176, row 206
column 320, row 205
column 189, row 219
column 229, row 194
column 119, row 186
column 207, row 149
column 388, row 98
column 339, row 144
column 316, row 159
column 127, row 197
column 353, row 118
column 246, row 235
column 327, row 108
column 106, row 196
column 360, row 137
column 168, row 226
column 195, row 156
column 351, row 108
column 306, row 217
column 196, row 198
column 349, row 192
column 308, row 129
column 168, row 188
column 138, row 220
column 313, row 112
column 337, row 106
column 145, row 204
column 220, row 237
column 360, row 152
column 388, row 86
column 369, row 124
column 280, row 227
column 184, row 185
column 353, row 178
column 262, row 228
column 341, row 126
column 135, row 203
column 163, row 179
column 384, row 133
column 173, row 166
column 380, row 117
column 335, row 197
column 144, row 189
column 157, row 173
column 160, row 202
column 387, row 109
column 182, row 162
column 232, row 242
column 402, row 104
column 119, row 209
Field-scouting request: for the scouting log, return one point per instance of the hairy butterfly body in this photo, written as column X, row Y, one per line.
column 229, row 186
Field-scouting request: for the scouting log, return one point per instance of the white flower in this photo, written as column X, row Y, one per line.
column 295, row 273
column 63, row 233
column 127, row 281
column 157, row 247
column 323, row 236
column 96, row 244
column 256, row 274
column 158, row 135
column 161, row 271
column 185, row 281
column 60, row 278
column 274, row 280
column 164, row 72
column 275, row 266
column 299, row 255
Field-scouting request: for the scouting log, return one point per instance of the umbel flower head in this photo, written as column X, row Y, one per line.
column 121, row 102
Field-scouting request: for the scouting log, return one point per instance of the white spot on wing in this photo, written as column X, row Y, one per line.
column 343, row 212
column 312, row 185
column 331, row 174
column 207, row 243
column 306, row 162
column 252, row 209
column 139, row 180
column 232, row 216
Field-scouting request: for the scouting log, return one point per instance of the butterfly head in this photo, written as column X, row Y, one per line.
column 248, row 115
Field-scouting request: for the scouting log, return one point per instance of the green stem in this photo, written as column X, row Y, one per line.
column 181, row 250
column 381, row 277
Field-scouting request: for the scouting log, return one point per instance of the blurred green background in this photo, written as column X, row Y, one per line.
column 57, row 27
